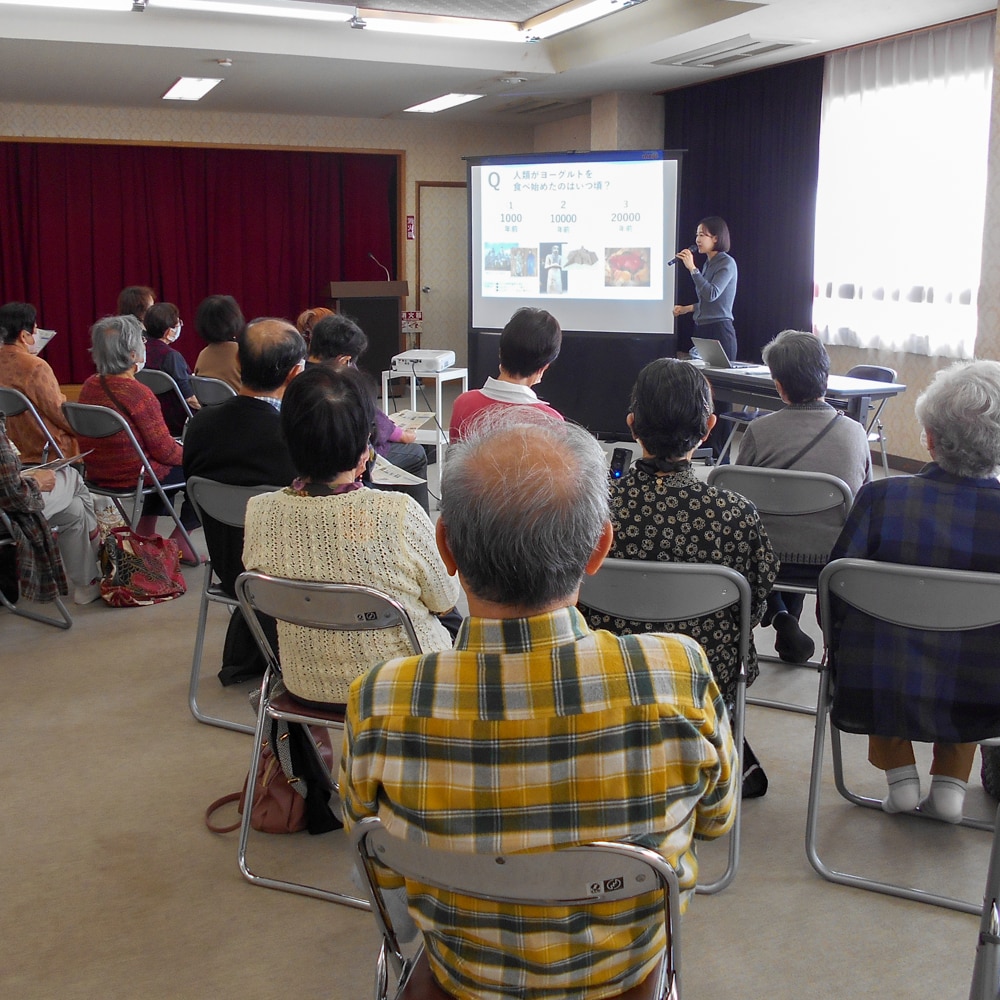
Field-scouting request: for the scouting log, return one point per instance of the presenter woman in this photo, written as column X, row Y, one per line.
column 715, row 284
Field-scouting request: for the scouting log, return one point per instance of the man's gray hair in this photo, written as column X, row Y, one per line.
column 524, row 498
column 961, row 410
column 799, row 361
column 116, row 343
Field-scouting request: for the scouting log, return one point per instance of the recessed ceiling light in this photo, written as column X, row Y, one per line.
column 571, row 15
column 436, row 26
column 116, row 5
column 301, row 11
column 191, row 88
column 443, row 103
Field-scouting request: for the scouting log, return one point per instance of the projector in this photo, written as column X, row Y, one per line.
column 423, row 362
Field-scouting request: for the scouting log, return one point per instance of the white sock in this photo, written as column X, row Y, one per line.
column 946, row 798
column 904, row 789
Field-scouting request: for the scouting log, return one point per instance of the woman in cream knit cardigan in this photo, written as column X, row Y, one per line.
column 327, row 526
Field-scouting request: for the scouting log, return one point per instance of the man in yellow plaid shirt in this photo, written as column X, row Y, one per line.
column 535, row 731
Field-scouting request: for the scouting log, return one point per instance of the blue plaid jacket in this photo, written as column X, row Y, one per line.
column 882, row 686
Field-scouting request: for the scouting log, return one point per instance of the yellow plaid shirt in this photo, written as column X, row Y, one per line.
column 532, row 733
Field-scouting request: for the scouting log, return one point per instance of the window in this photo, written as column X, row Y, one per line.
column 902, row 189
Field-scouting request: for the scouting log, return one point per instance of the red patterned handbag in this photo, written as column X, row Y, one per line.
column 139, row 570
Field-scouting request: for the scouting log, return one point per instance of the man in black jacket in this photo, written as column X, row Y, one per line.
column 239, row 442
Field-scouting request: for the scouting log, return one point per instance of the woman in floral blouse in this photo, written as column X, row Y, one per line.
column 660, row 510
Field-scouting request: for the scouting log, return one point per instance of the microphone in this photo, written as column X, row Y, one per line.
column 673, row 260
column 388, row 276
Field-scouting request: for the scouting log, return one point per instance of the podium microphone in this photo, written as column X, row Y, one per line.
column 673, row 260
column 388, row 276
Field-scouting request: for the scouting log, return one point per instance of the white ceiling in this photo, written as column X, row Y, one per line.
column 287, row 66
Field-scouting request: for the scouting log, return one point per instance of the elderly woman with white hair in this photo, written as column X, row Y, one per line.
column 948, row 516
column 119, row 352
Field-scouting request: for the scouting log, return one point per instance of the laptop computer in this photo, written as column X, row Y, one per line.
column 714, row 355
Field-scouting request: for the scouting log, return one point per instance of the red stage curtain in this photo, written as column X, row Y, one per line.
column 269, row 227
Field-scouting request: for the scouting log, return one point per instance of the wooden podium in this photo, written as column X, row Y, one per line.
column 376, row 306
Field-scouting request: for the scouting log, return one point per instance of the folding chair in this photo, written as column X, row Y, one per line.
column 101, row 422
column 209, row 391
column 925, row 602
column 310, row 604
column 738, row 418
column 13, row 403
column 228, row 505
column 662, row 591
column 579, row 876
column 162, row 383
column 876, row 433
column 64, row 621
column 986, row 969
column 785, row 499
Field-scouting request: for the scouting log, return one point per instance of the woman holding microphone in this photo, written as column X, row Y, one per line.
column 715, row 284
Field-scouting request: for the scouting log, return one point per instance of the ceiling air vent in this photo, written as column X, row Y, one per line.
column 729, row 51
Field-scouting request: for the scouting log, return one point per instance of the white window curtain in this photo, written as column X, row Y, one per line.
column 902, row 189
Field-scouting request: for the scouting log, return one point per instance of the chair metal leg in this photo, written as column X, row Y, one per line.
column 199, row 648
column 180, row 526
column 986, row 969
column 812, row 820
column 727, row 445
column 710, row 888
column 882, row 448
column 65, row 619
column 300, row 888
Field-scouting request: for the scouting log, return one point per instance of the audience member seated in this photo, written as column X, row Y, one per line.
column 660, row 510
column 219, row 322
column 35, row 499
column 948, row 515
column 134, row 300
column 308, row 319
column 536, row 732
column 22, row 369
column 811, row 436
column 529, row 343
column 163, row 328
column 119, row 352
column 327, row 526
column 239, row 442
column 339, row 342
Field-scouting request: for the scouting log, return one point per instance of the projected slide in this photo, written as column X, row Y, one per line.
column 590, row 234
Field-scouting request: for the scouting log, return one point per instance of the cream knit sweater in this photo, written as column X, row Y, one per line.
column 372, row 537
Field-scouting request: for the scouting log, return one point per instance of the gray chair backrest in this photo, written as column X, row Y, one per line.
column 340, row 607
column 783, row 497
column 209, row 391
column 874, row 373
column 917, row 597
column 222, row 501
column 91, row 421
column 13, row 403
column 161, row 383
column 646, row 590
column 574, row 876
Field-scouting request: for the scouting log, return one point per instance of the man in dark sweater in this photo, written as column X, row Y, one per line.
column 239, row 442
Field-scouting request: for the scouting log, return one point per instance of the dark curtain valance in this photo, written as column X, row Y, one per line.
column 752, row 153
column 269, row 227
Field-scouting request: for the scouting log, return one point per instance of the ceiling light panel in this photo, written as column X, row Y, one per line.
column 113, row 5
column 571, row 15
column 468, row 28
column 298, row 11
column 443, row 103
column 191, row 88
